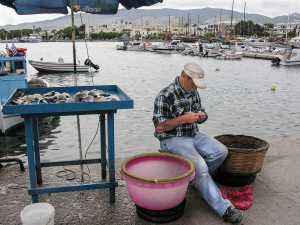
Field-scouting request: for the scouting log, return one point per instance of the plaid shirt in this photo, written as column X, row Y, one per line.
column 173, row 101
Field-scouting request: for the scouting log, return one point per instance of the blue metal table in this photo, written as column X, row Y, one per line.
column 32, row 112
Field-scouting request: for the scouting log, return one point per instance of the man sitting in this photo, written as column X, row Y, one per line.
column 177, row 112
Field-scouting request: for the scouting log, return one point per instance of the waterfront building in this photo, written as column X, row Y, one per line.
column 281, row 29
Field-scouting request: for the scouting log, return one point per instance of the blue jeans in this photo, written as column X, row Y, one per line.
column 207, row 154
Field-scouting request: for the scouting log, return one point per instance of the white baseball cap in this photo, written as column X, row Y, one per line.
column 194, row 71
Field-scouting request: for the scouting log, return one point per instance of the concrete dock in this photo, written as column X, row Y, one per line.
column 276, row 196
column 255, row 55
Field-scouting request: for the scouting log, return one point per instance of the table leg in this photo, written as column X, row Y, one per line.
column 37, row 151
column 30, row 155
column 111, row 155
column 103, row 146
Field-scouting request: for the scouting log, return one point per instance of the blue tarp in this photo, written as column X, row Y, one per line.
column 128, row 4
column 27, row 7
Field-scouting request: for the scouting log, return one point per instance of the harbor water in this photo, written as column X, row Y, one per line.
column 247, row 97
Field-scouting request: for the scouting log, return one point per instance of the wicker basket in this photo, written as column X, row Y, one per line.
column 246, row 154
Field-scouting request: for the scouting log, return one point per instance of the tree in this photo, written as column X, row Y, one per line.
column 3, row 34
column 259, row 30
column 67, row 32
column 249, row 28
column 269, row 25
column 38, row 30
column 26, row 32
column 81, row 31
column 293, row 33
column 209, row 36
column 106, row 35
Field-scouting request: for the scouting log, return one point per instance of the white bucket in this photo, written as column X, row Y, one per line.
column 38, row 214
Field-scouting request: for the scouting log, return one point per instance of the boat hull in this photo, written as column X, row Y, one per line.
column 47, row 67
column 290, row 63
column 8, row 122
column 230, row 57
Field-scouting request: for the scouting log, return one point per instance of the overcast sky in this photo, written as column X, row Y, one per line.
column 270, row 8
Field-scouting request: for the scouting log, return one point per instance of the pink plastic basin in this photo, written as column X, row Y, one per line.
column 157, row 181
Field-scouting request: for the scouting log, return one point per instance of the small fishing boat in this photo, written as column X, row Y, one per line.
column 13, row 74
column 61, row 66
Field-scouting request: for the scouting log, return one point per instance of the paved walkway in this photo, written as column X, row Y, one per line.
column 276, row 196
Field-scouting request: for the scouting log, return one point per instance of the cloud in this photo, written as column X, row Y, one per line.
column 9, row 16
column 270, row 8
column 265, row 7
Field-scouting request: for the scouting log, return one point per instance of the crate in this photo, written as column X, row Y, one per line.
column 124, row 102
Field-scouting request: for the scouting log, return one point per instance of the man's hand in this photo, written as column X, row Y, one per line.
column 191, row 117
column 187, row 118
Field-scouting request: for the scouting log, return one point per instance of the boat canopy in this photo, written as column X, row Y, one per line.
column 28, row 7
column 10, row 66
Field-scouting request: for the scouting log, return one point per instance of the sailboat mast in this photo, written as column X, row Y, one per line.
column 231, row 20
column 287, row 27
column 169, row 24
column 245, row 5
column 74, row 47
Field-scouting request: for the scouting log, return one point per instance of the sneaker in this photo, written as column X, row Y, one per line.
column 233, row 216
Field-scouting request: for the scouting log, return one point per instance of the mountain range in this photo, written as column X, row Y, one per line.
column 156, row 16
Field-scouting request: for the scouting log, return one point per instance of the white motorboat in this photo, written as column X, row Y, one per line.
column 121, row 47
column 295, row 42
column 211, row 50
column 258, row 43
column 173, row 46
column 32, row 38
column 230, row 55
column 133, row 46
column 61, row 66
column 290, row 58
column 193, row 51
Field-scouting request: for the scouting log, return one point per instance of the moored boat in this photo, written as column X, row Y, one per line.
column 60, row 67
column 230, row 55
column 295, row 42
column 13, row 75
column 169, row 47
column 291, row 58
